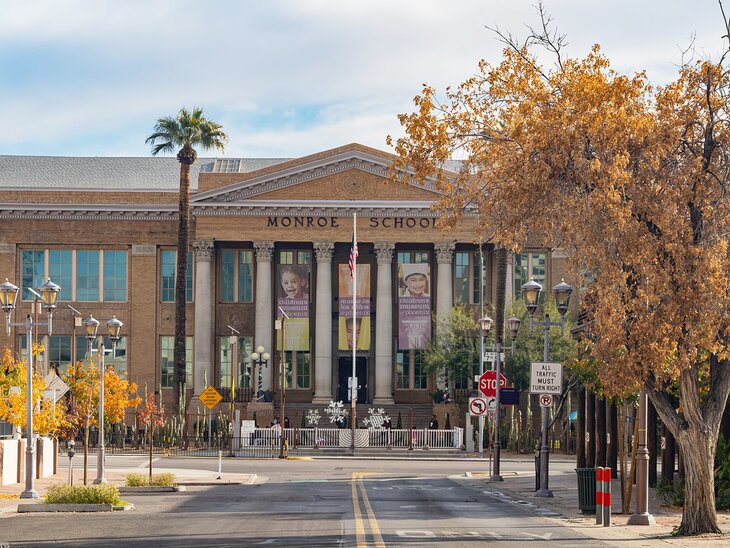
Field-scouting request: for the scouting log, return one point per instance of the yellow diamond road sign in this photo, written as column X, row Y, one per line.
column 210, row 397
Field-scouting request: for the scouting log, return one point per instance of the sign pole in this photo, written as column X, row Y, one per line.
column 496, row 476
column 545, row 449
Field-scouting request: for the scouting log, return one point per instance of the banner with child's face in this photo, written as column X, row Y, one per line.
column 346, row 333
column 293, row 299
column 414, row 306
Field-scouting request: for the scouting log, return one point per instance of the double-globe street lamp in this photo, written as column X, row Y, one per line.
column 114, row 328
column 8, row 298
column 260, row 359
column 485, row 324
column 531, row 293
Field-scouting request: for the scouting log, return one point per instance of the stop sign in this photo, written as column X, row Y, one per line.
column 488, row 384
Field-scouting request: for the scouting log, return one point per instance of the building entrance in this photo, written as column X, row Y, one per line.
column 345, row 372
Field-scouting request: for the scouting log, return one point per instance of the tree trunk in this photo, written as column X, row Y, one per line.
column 612, row 431
column 580, row 430
column 186, row 157
column 651, row 442
column 501, row 296
column 698, row 516
column 590, row 434
column 601, row 432
column 696, row 430
column 668, row 455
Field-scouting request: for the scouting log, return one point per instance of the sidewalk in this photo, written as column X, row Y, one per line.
column 10, row 494
column 520, row 486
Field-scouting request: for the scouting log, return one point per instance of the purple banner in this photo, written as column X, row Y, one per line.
column 414, row 306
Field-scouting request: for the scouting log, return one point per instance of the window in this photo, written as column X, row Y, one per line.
column 119, row 358
column 410, row 370
column 402, row 369
column 87, row 275
column 413, row 257
column 530, row 265
column 466, row 277
column 241, row 354
column 295, row 257
column 23, row 352
column 236, row 281
column 59, row 353
column 32, row 271
column 297, row 367
column 78, row 272
column 60, row 270
column 168, row 270
column 167, row 361
column 115, row 275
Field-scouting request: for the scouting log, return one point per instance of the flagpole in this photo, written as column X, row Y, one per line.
column 353, row 393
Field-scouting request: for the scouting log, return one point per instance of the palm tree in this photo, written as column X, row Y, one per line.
column 184, row 132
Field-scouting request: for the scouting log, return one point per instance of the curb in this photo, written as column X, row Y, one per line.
column 28, row 508
column 128, row 490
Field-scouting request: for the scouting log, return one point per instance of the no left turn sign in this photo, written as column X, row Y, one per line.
column 477, row 406
column 546, row 400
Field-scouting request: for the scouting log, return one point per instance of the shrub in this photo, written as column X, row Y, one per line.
column 164, row 480
column 137, row 480
column 671, row 492
column 84, row 494
column 158, row 480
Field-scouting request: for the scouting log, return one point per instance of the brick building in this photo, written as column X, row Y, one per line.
column 267, row 235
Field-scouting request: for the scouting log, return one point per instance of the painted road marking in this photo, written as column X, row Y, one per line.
column 358, row 485
column 359, row 527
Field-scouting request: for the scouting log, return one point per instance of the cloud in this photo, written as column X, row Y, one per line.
column 91, row 77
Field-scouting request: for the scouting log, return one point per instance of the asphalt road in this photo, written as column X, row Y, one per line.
column 307, row 503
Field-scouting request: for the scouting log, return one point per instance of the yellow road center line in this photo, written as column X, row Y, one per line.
column 374, row 528
column 359, row 525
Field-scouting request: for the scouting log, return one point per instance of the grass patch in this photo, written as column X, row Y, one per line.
column 84, row 494
column 158, row 480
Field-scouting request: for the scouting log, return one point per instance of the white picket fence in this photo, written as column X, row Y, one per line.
column 364, row 437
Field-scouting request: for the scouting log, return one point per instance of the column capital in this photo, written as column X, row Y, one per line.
column 203, row 250
column 444, row 252
column 263, row 250
column 323, row 251
column 384, row 252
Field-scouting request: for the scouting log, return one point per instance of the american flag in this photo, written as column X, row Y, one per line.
column 353, row 257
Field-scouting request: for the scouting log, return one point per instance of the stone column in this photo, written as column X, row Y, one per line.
column 384, row 326
column 204, row 335
column 444, row 291
column 264, row 304
column 323, row 340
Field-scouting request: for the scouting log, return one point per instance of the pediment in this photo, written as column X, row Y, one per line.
column 354, row 173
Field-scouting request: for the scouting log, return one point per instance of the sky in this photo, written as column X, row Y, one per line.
column 286, row 78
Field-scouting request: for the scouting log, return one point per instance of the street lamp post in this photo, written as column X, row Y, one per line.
column 114, row 328
column 260, row 359
column 8, row 298
column 280, row 324
column 531, row 292
column 486, row 325
column 642, row 515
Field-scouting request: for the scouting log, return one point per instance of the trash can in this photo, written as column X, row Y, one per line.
column 586, row 490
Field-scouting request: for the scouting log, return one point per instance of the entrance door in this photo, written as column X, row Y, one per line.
column 361, row 370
